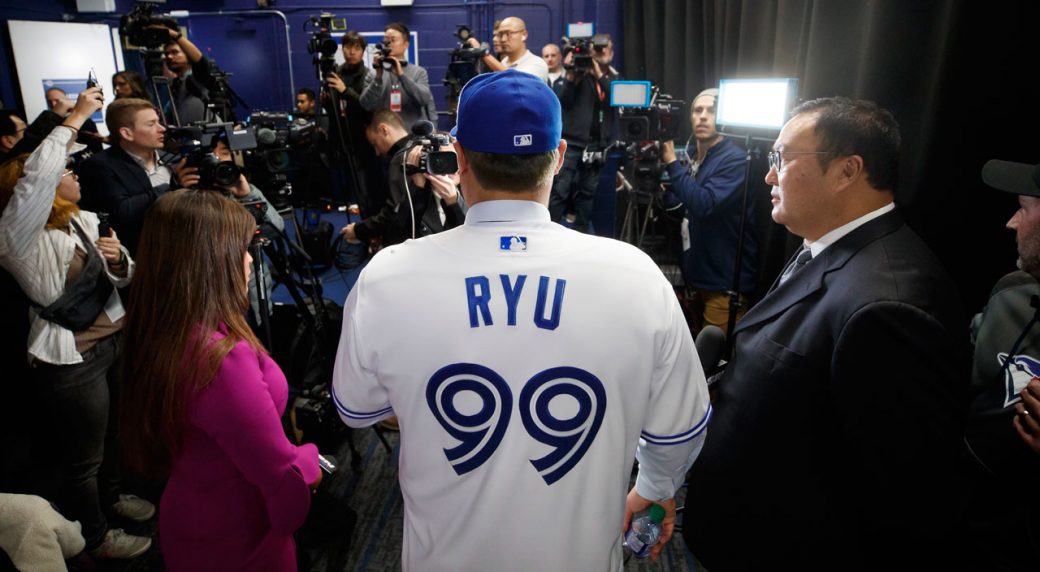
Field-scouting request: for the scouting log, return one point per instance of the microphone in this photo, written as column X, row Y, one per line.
column 710, row 343
column 265, row 136
column 422, row 128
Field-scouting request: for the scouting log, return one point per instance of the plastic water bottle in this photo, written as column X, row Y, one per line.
column 644, row 531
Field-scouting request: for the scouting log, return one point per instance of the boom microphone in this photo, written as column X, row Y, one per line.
column 710, row 343
column 422, row 128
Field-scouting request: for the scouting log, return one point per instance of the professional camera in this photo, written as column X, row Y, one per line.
column 277, row 135
column 431, row 159
column 196, row 143
column 661, row 120
column 316, row 417
column 322, row 43
column 384, row 52
column 134, row 26
column 583, row 49
column 464, row 65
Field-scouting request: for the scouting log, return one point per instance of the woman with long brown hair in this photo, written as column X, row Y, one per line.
column 129, row 83
column 69, row 273
column 203, row 400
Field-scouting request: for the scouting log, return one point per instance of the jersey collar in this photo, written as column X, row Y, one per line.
column 506, row 211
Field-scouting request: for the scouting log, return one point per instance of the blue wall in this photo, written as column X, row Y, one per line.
column 253, row 47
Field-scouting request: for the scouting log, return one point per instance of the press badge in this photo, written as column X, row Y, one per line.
column 395, row 100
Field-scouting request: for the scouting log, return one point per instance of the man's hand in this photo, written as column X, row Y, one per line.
column 596, row 70
column 472, row 42
column 635, row 504
column 335, row 82
column 1026, row 421
column 444, row 187
column 349, row 235
column 187, row 177
column 668, row 152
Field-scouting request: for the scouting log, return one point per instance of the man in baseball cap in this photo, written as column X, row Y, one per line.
column 523, row 396
column 1002, row 431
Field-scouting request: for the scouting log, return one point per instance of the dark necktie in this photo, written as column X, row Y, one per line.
column 803, row 257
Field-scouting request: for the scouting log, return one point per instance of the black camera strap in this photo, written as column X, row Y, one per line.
column 82, row 301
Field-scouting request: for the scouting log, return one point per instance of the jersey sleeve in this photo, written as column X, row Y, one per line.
column 359, row 397
column 677, row 415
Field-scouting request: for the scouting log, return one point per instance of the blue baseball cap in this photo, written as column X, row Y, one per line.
column 508, row 113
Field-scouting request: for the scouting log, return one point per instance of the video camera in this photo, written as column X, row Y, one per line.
column 583, row 50
column 464, row 65
column 645, row 114
column 384, row 53
column 135, row 26
column 431, row 159
column 196, row 144
column 322, row 43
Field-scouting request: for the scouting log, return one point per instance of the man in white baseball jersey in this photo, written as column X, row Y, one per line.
column 536, row 363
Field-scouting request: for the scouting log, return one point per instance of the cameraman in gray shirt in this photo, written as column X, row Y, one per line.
column 397, row 85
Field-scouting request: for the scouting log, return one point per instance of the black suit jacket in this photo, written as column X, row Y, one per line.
column 837, row 423
column 112, row 182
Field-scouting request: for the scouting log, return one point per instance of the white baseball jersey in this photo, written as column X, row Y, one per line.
column 525, row 362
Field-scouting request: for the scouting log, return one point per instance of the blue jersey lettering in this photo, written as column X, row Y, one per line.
column 553, row 321
column 478, row 301
column 512, row 293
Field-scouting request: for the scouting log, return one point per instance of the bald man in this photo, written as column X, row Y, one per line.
column 554, row 60
column 511, row 37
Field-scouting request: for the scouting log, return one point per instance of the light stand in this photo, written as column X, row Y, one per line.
column 750, row 105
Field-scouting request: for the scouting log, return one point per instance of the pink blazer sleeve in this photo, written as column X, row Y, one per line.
column 237, row 411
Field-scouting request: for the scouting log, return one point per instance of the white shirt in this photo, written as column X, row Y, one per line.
column 524, row 308
column 835, row 235
column 39, row 258
column 159, row 174
column 529, row 63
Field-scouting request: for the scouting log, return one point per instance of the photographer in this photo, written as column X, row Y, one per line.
column 574, row 186
column 709, row 189
column 245, row 192
column 125, row 179
column 192, row 71
column 433, row 200
column 70, row 271
column 397, row 85
column 349, row 81
column 511, row 48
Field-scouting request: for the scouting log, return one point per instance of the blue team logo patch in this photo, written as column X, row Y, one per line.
column 1017, row 374
column 512, row 243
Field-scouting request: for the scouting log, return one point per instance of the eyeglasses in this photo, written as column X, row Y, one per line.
column 506, row 33
column 776, row 159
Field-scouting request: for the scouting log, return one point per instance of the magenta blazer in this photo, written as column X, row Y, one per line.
column 239, row 488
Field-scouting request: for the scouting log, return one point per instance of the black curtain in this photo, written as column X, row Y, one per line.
column 956, row 74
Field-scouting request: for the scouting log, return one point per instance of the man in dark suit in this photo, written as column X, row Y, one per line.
column 837, row 422
column 125, row 179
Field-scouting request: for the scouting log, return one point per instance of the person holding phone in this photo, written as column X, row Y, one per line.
column 203, row 399
column 70, row 274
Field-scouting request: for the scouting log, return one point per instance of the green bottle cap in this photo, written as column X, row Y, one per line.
column 656, row 513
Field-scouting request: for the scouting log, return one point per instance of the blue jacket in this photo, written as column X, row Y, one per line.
column 712, row 204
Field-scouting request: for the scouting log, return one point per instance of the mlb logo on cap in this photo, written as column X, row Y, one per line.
column 508, row 113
